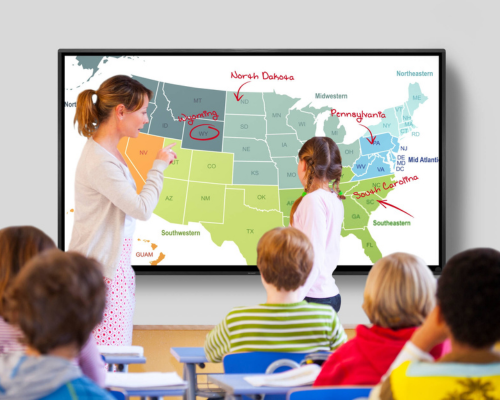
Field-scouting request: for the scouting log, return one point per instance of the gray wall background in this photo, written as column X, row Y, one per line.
column 32, row 33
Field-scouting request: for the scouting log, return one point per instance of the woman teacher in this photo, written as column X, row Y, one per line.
column 106, row 199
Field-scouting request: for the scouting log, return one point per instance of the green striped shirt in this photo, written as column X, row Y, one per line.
column 295, row 328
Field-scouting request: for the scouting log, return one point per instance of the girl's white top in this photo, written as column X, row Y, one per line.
column 320, row 216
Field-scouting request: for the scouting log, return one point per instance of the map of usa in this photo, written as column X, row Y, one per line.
column 236, row 171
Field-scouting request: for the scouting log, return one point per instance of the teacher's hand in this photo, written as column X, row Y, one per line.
column 167, row 154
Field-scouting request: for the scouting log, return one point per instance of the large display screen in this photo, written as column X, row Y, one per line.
column 239, row 119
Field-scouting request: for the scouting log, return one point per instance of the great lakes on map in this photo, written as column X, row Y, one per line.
column 236, row 171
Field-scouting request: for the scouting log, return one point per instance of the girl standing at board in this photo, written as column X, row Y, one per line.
column 106, row 199
column 319, row 213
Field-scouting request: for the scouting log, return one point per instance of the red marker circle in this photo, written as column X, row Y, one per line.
column 210, row 126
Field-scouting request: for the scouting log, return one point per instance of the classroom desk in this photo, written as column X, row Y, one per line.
column 151, row 394
column 235, row 386
column 123, row 361
column 190, row 357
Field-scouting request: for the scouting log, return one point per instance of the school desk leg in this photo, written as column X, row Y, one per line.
column 189, row 375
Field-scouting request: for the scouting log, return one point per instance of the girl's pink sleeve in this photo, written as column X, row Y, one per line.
column 91, row 362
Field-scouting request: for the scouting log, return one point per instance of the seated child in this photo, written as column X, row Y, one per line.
column 467, row 312
column 56, row 300
column 399, row 293
column 285, row 322
column 19, row 244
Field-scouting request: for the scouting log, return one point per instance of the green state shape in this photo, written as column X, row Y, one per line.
column 247, row 149
column 277, row 107
column 355, row 217
column 367, row 242
column 303, row 123
column 315, row 111
column 250, row 103
column 260, row 197
column 286, row 221
column 287, row 198
column 212, row 167
column 348, row 187
column 205, row 202
column 366, row 185
column 255, row 173
column 284, row 145
column 172, row 201
column 346, row 175
column 243, row 225
column 349, row 153
column 245, row 126
column 179, row 168
column 334, row 130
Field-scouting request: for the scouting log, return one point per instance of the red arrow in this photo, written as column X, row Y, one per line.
column 373, row 137
column 238, row 97
column 385, row 203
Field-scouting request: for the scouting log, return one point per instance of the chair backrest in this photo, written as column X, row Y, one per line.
column 118, row 394
column 323, row 393
column 256, row 362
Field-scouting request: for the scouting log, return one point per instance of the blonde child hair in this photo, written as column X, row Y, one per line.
column 400, row 291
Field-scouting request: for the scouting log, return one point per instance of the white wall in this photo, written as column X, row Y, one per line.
column 32, row 34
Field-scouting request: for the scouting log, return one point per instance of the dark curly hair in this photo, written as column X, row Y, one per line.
column 469, row 296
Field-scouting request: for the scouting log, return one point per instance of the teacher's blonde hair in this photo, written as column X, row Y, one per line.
column 400, row 291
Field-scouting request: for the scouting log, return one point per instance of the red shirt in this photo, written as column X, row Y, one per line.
column 364, row 359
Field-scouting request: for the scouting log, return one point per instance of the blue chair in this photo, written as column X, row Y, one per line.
column 118, row 394
column 330, row 393
column 257, row 362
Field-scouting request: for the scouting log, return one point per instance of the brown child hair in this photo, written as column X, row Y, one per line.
column 57, row 299
column 18, row 245
column 285, row 258
column 119, row 89
column 323, row 160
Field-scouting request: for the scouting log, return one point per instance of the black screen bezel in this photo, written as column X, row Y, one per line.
column 249, row 269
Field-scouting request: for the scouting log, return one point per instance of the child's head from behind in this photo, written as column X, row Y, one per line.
column 57, row 299
column 18, row 245
column 400, row 291
column 285, row 258
column 320, row 162
column 468, row 295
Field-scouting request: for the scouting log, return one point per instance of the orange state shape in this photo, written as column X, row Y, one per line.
column 139, row 155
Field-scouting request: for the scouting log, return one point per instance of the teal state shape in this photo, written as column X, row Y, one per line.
column 303, row 123
column 255, row 173
column 286, row 145
column 389, row 124
column 245, row 126
column 249, row 103
column 277, row 107
column 315, row 111
column 287, row 172
column 334, row 130
column 415, row 97
column 247, row 149
column 349, row 153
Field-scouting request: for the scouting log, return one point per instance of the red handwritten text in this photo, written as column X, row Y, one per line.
column 386, row 186
column 204, row 114
column 359, row 116
column 265, row 76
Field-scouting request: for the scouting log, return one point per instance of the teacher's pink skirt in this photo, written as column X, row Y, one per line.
column 116, row 326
